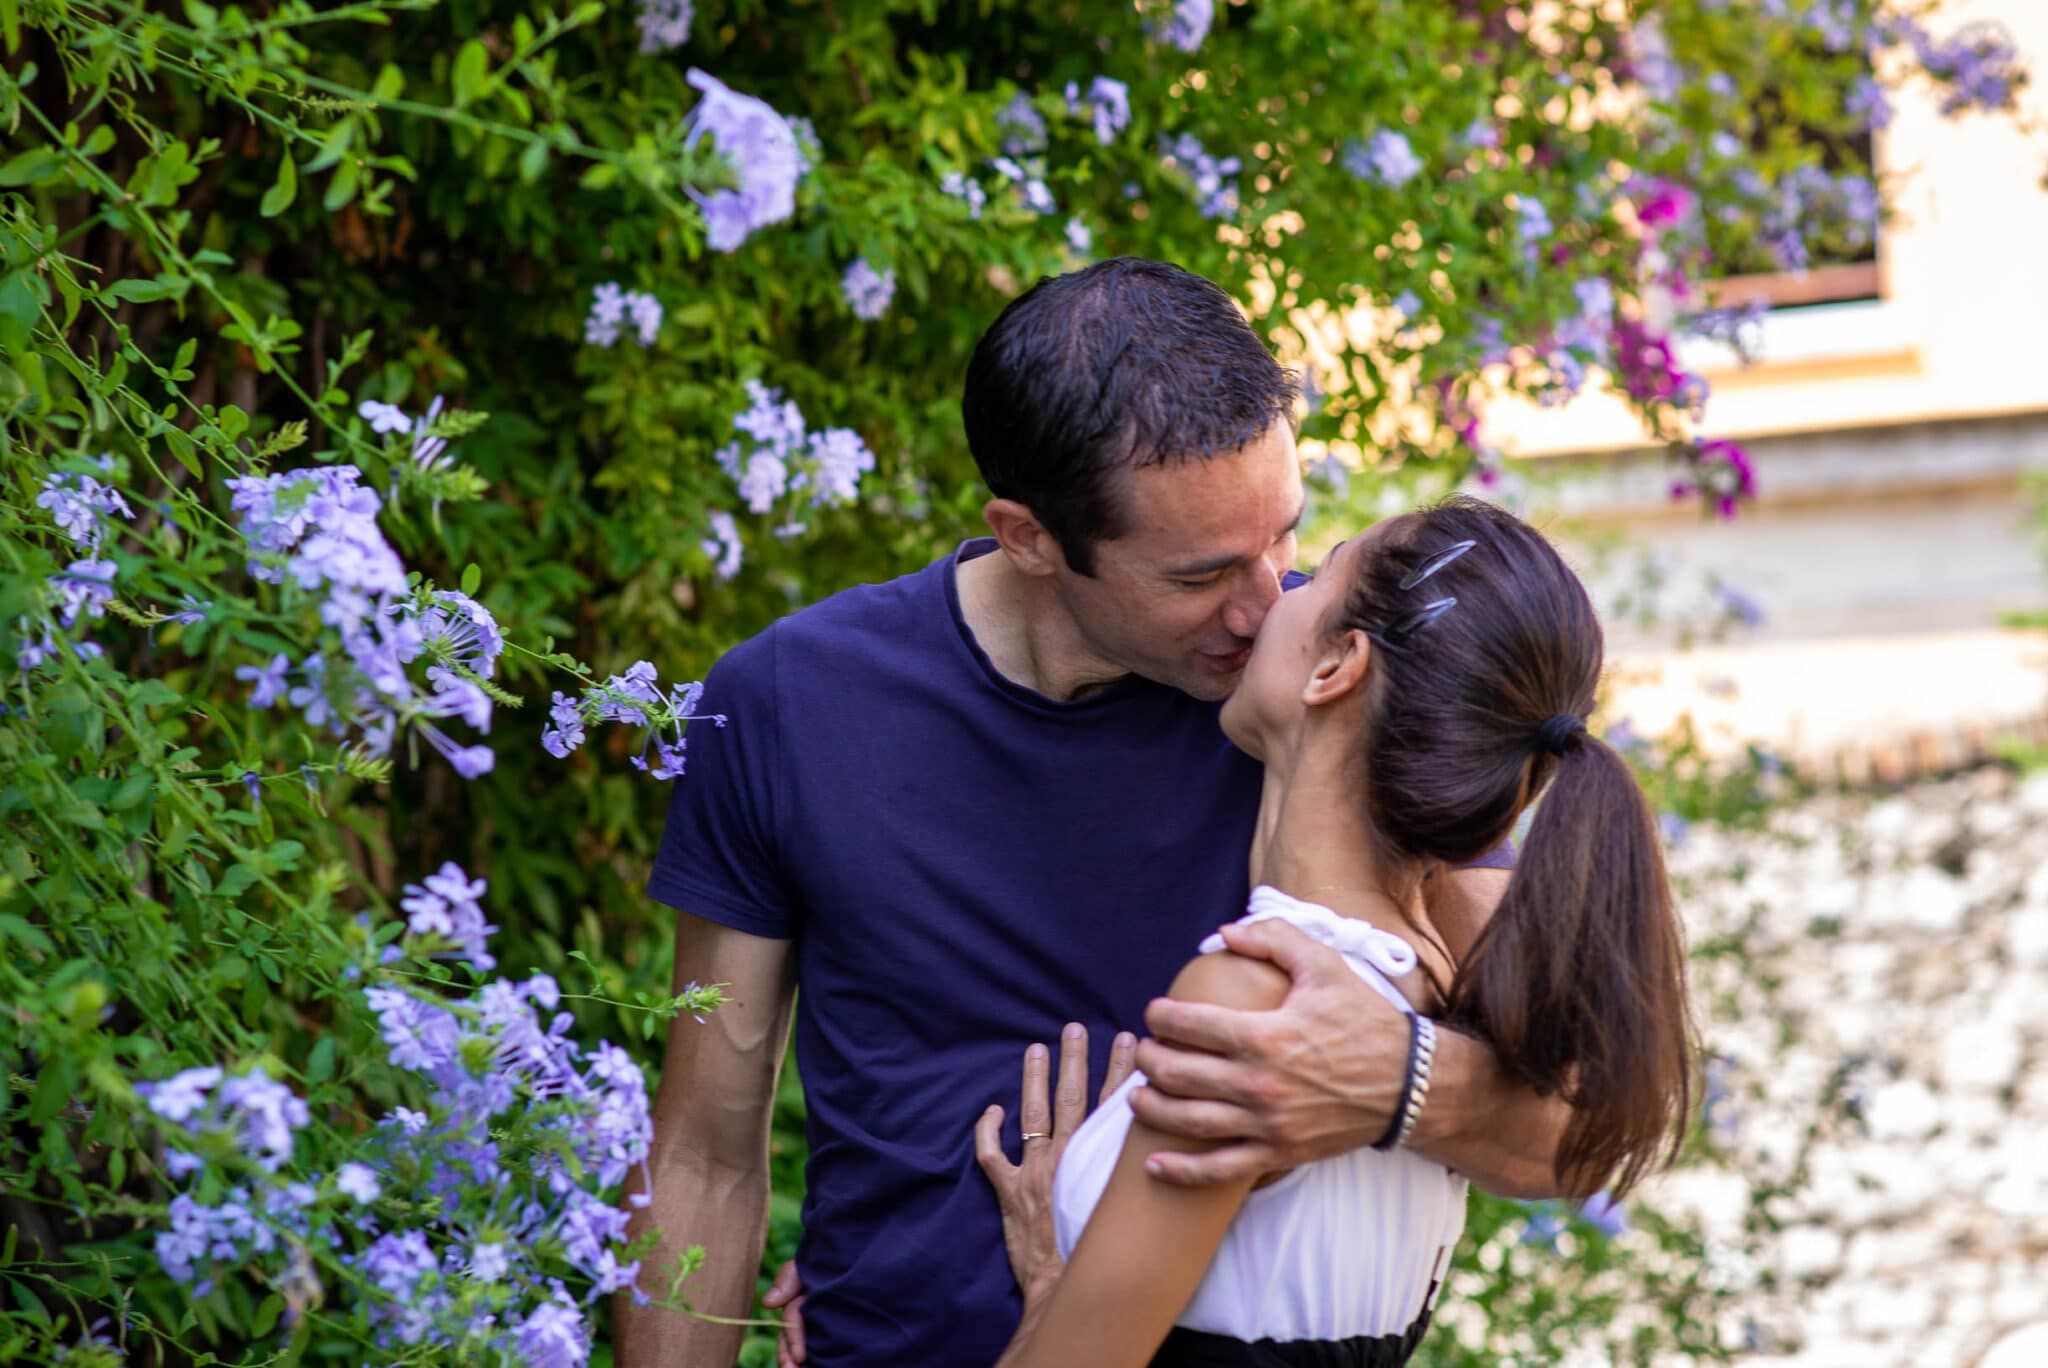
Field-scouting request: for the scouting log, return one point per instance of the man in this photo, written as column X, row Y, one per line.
column 963, row 807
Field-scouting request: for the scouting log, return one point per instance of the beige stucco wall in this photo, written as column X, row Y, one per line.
column 1962, row 329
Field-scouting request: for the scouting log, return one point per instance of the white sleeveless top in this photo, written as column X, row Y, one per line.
column 1348, row 1246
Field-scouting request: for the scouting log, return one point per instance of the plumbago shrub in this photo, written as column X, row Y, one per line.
column 328, row 982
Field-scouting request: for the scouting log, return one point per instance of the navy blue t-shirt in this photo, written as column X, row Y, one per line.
column 964, row 865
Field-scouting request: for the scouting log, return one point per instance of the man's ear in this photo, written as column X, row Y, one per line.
column 1340, row 671
column 1023, row 538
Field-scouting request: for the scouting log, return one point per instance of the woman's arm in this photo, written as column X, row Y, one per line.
column 1147, row 1245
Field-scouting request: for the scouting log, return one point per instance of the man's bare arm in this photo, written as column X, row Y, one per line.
column 1321, row 1075
column 710, row 1155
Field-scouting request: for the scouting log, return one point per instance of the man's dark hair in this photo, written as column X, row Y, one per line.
column 1125, row 364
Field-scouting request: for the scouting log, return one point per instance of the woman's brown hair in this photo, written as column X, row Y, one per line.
column 1578, row 981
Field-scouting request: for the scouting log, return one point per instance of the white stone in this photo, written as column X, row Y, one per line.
column 1808, row 1251
column 1904, row 1109
column 2031, row 797
column 2026, row 935
column 1921, row 897
column 1981, row 1054
column 2026, row 1347
column 1902, row 1306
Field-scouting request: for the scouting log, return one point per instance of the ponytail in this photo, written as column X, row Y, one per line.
column 1578, row 980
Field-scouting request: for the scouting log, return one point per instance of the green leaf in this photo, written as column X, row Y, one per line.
column 279, row 196
column 29, row 168
column 533, row 161
column 470, row 77
column 472, row 577
column 266, row 1316
column 341, row 189
column 147, row 291
column 320, row 1062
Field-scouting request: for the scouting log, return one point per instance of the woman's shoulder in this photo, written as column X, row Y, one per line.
column 1229, row 979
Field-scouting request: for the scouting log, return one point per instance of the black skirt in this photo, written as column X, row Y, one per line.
column 1186, row 1348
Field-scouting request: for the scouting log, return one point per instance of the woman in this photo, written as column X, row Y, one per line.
column 1408, row 704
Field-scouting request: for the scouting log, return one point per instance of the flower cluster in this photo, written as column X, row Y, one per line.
column 762, row 150
column 1107, row 103
column 1188, row 25
column 664, row 24
column 1978, row 63
column 866, row 290
column 775, row 455
column 1212, row 180
column 960, row 186
column 317, row 529
column 1023, row 127
column 1032, row 191
column 261, row 1116
column 1385, row 159
column 498, row 1170
column 1721, row 471
column 611, row 306
column 637, row 699
column 81, row 506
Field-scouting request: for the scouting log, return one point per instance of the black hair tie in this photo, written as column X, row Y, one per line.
column 1554, row 734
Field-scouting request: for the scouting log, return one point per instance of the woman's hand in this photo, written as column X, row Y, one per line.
column 1024, row 1191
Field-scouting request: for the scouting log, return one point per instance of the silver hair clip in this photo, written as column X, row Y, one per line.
column 1436, row 563
column 1397, row 634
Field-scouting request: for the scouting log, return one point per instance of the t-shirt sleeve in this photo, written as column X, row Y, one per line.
column 720, row 858
column 1501, row 856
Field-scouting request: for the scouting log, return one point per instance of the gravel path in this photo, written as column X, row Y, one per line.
column 1875, row 971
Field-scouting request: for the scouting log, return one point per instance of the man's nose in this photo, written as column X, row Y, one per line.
column 1259, row 592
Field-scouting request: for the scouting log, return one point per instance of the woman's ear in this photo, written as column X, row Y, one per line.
column 1341, row 670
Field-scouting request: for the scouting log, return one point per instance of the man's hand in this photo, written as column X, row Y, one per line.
column 786, row 1294
column 1315, row 1077
column 1024, row 1190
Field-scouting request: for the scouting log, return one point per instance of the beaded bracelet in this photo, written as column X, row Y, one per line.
column 1425, row 1050
column 1414, row 1083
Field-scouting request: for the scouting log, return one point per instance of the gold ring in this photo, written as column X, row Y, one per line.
column 1038, row 1135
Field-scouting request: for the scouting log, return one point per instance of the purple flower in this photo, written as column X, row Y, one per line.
column 1604, row 1214
column 610, row 307
column 84, row 586
column 1741, row 606
column 488, row 1262
column 867, row 291
column 1544, row 1226
column 1079, row 237
column 268, row 679
column 1213, row 180
column 178, row 1097
column 1385, row 159
column 383, row 418
column 421, row 1036
column 358, row 1181
column 1868, row 102
column 723, row 546
column 763, row 153
column 554, row 1336
column 80, row 504
column 958, row 185
column 1188, row 25
column 265, row 1116
column 839, row 458
column 663, row 24
column 1022, row 126
column 1108, row 102
column 1532, row 220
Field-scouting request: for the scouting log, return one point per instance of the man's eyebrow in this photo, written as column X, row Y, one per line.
column 1212, row 564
